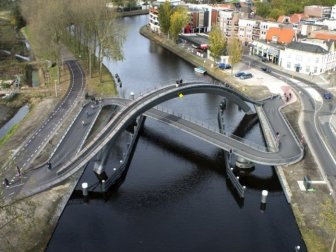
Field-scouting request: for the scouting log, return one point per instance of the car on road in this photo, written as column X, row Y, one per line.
column 327, row 95
column 266, row 69
column 239, row 74
column 224, row 66
column 246, row 76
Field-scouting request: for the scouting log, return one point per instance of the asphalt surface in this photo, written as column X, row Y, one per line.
column 315, row 123
column 40, row 138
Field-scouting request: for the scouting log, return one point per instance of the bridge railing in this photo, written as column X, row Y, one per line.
column 216, row 129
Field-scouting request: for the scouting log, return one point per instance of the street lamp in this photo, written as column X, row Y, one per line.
column 56, row 88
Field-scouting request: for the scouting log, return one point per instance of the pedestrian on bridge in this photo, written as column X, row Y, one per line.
column 6, row 182
column 18, row 171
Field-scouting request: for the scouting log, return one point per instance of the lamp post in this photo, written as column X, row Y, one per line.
column 56, row 88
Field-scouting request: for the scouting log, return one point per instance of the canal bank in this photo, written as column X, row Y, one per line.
column 310, row 208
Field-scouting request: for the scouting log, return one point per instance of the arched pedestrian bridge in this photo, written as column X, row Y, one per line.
column 143, row 104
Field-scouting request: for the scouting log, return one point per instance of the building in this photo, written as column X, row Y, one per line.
column 309, row 57
column 267, row 50
column 280, row 35
column 333, row 12
column 248, row 30
column 228, row 22
column 317, row 11
column 264, row 27
column 323, row 35
column 153, row 21
column 306, row 28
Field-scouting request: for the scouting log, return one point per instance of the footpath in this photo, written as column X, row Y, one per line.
column 314, row 210
column 28, row 224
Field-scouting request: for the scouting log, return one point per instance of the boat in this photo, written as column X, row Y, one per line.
column 200, row 70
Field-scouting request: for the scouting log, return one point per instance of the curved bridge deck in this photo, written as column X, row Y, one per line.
column 290, row 151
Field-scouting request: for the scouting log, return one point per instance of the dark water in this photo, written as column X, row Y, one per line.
column 20, row 114
column 176, row 196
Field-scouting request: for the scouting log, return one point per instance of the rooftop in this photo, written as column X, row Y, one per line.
column 306, row 47
column 283, row 35
column 196, row 39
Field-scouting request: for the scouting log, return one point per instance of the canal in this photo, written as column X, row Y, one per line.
column 176, row 196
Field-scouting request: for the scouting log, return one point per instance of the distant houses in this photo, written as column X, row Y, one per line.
column 302, row 42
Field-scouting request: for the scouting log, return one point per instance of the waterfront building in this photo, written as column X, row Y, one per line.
column 311, row 57
column 228, row 22
column 248, row 30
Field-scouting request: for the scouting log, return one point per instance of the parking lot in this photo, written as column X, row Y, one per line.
column 275, row 85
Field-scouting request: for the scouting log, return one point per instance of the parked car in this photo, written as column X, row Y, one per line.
column 327, row 95
column 239, row 74
column 224, row 66
column 266, row 69
column 264, row 59
column 246, row 76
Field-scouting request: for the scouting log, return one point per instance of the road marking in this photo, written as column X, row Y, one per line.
column 16, row 185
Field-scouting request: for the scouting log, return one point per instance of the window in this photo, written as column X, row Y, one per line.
column 315, row 69
column 308, row 69
column 288, row 65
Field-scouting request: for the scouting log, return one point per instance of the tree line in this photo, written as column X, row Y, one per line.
column 275, row 8
column 91, row 27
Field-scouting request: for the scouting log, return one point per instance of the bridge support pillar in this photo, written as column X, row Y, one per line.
column 243, row 163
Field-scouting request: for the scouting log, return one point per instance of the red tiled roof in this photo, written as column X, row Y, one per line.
column 296, row 18
column 284, row 35
column 325, row 36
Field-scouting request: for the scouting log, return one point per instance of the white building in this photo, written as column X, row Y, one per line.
column 309, row 57
column 248, row 30
column 333, row 12
column 264, row 26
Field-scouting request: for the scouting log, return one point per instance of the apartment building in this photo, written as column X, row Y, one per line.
column 265, row 26
column 248, row 30
column 228, row 22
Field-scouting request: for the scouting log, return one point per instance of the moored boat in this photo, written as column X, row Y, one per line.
column 200, row 70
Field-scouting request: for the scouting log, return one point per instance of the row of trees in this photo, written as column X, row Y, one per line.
column 86, row 24
column 275, row 8
column 219, row 45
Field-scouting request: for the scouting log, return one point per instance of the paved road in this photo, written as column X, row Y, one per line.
column 315, row 124
column 40, row 138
